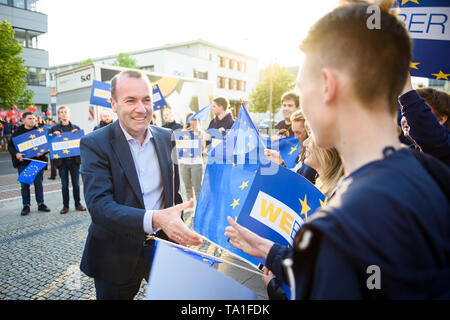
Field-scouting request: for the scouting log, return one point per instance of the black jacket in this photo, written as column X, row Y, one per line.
column 13, row 151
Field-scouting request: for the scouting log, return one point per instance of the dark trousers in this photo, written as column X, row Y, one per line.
column 70, row 166
column 52, row 169
column 38, row 188
column 109, row 291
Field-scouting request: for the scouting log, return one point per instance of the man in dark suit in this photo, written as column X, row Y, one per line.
column 131, row 187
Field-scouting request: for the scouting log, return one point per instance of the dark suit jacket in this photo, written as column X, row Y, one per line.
column 114, row 199
column 308, row 172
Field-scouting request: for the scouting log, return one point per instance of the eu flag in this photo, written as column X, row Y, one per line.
column 189, row 146
column 158, row 99
column 32, row 142
column 67, row 144
column 428, row 23
column 289, row 149
column 101, row 94
column 202, row 114
column 29, row 173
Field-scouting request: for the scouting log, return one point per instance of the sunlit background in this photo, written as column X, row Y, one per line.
column 266, row 30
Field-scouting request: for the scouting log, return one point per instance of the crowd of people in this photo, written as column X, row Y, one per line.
column 378, row 149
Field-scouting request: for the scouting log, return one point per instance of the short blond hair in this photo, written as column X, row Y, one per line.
column 62, row 108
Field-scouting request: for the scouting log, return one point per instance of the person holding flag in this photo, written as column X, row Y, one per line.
column 29, row 124
column 222, row 120
column 384, row 233
column 68, row 165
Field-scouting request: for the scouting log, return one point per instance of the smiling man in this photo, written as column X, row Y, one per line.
column 129, row 179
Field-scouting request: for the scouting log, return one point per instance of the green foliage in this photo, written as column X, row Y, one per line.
column 12, row 71
column 282, row 81
column 85, row 62
column 124, row 60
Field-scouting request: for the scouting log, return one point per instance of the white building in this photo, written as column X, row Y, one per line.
column 233, row 74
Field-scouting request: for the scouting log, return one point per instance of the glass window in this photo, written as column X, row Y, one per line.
column 36, row 76
column 20, row 35
column 3, row 1
column 33, row 5
column 19, row 4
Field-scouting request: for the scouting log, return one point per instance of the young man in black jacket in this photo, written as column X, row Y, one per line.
column 29, row 124
column 68, row 165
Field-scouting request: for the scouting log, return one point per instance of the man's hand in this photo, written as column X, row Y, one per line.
column 58, row 133
column 221, row 130
column 268, row 275
column 169, row 220
column 247, row 241
column 74, row 130
column 19, row 156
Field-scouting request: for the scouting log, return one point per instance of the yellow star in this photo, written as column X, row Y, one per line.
column 195, row 133
column 406, row 1
column 441, row 75
column 234, row 164
column 186, row 136
column 190, row 154
column 413, row 65
column 323, row 203
column 66, row 151
column 56, row 156
column 40, row 130
column 243, row 185
column 293, row 149
column 305, row 207
column 42, row 150
column 32, row 136
column 35, row 148
column 65, row 139
column 50, row 134
column 235, row 203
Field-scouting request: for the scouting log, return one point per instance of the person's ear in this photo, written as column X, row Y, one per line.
column 329, row 85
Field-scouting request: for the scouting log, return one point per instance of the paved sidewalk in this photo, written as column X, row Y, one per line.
column 40, row 253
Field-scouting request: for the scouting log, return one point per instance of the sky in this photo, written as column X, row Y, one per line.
column 266, row 30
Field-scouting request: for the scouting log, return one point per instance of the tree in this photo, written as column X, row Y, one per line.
column 124, row 60
column 85, row 62
column 280, row 80
column 12, row 71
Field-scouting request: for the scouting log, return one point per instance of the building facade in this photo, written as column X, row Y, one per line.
column 29, row 23
column 234, row 75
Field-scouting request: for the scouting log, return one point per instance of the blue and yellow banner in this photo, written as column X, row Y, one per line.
column 32, row 143
column 189, row 145
column 428, row 23
column 100, row 94
column 159, row 102
column 202, row 114
column 66, row 145
column 289, row 149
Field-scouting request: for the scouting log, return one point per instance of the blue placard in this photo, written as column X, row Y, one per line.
column 101, row 94
column 158, row 99
column 277, row 205
column 32, row 143
column 67, row 144
column 188, row 144
column 428, row 23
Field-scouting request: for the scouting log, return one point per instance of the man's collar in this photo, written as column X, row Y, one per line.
column 148, row 136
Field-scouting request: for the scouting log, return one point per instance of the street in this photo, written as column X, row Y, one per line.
column 41, row 252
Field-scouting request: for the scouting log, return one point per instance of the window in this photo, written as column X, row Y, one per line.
column 232, row 84
column 223, row 61
column 232, row 64
column 221, row 82
column 19, row 4
column 200, row 75
column 3, row 1
column 36, row 76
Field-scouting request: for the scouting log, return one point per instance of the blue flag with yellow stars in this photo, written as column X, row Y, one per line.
column 29, row 173
column 100, row 94
column 428, row 23
column 202, row 114
column 278, row 204
column 66, row 145
column 189, row 146
column 159, row 102
column 289, row 149
column 32, row 142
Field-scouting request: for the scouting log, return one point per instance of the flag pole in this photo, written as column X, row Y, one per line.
column 34, row 160
column 203, row 254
